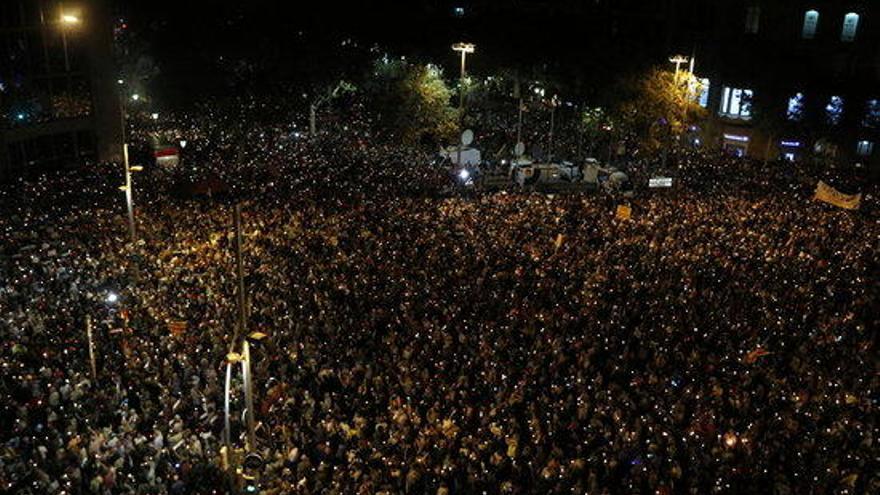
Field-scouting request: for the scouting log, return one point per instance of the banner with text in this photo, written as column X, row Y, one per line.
column 832, row 196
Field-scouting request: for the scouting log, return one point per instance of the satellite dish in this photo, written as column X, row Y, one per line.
column 467, row 137
column 618, row 177
column 520, row 149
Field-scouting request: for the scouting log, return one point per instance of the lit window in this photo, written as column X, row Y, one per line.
column 737, row 138
column 796, row 108
column 753, row 19
column 865, row 148
column 850, row 26
column 702, row 91
column 811, row 22
column 704, row 94
column 872, row 114
column 736, row 103
column 834, row 110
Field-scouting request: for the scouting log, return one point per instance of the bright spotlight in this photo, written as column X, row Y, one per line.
column 112, row 297
column 69, row 19
column 464, row 174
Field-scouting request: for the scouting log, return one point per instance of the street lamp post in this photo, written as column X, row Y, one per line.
column 129, row 199
column 519, row 123
column 239, row 334
column 91, row 341
column 678, row 60
column 67, row 20
column 248, row 396
column 553, row 103
column 464, row 49
column 233, row 358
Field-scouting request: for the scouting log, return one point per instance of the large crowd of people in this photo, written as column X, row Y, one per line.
column 720, row 340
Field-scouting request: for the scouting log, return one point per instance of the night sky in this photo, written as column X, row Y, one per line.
column 189, row 38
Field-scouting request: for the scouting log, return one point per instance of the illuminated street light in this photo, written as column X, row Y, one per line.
column 154, row 116
column 135, row 97
column 70, row 19
column 464, row 49
column 112, row 297
column 678, row 60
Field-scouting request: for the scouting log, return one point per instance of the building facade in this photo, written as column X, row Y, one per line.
column 59, row 105
column 798, row 80
column 792, row 80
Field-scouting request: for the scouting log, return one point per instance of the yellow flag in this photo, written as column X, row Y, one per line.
column 832, row 196
column 559, row 240
column 624, row 212
column 512, row 445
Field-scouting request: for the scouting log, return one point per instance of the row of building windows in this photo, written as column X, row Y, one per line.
column 847, row 32
column 51, row 151
column 42, row 99
column 811, row 24
column 834, row 111
column 39, row 52
column 789, row 149
column 736, row 103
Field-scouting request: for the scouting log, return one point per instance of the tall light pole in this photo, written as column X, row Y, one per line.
column 67, row 20
column 233, row 358
column 240, row 329
column 129, row 200
column 553, row 104
column 678, row 60
column 519, row 123
column 91, row 349
column 464, row 49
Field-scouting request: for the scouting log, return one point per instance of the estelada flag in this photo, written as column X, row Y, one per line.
column 176, row 327
column 624, row 212
column 832, row 196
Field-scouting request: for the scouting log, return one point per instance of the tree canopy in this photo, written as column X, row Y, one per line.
column 412, row 101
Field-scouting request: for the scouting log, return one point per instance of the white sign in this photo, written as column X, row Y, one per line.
column 660, row 182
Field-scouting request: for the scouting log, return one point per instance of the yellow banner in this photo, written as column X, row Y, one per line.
column 828, row 194
column 624, row 212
